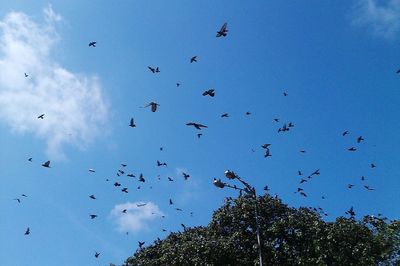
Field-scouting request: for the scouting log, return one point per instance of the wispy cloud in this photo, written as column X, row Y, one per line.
column 382, row 17
column 73, row 104
column 136, row 218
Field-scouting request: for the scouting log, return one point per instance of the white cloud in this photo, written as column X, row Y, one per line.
column 73, row 104
column 136, row 218
column 383, row 19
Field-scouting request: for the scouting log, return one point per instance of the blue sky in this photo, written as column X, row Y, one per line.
column 337, row 62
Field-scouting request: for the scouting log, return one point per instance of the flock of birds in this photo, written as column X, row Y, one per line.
column 287, row 126
column 140, row 178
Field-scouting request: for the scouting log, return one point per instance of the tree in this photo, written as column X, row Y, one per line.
column 290, row 236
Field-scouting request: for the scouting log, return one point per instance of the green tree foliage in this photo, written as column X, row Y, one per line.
column 290, row 236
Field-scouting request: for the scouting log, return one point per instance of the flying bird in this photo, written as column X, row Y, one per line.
column 19, row 201
column 30, row 159
column 26, row 75
column 223, row 31
column 170, row 179
column 170, row 202
column 130, row 175
column 161, row 164
column 373, row 165
column 92, row 197
column 248, row 113
column 210, row 92
column 41, row 116
column 359, row 139
column 124, row 210
column 141, row 178
column 345, row 133
column 28, row 231
column 93, row 44
column 276, row 119
column 92, row 216
column 46, row 164
column 125, row 190
column 141, row 205
column 116, row 184
column 153, row 105
column 152, row 69
column 352, row 149
column 199, row 135
column 141, row 244
column 225, row 115
column 285, row 94
column 96, row 254
column 185, row 176
column 369, row 188
column 350, row 185
column 132, row 123
column 193, row 59
column 196, row 125
column 92, row 170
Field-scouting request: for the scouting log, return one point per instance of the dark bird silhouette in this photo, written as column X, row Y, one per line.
column 369, row 188
column 132, row 123
column 41, row 116
column 247, row 113
column 141, row 244
column 352, row 149
column 170, row 202
column 267, row 153
column 125, row 190
column 184, row 227
column 124, row 210
column 299, row 172
column 161, row 164
column 96, row 254
column 266, row 188
column 130, row 175
column 223, row 31
column 285, row 94
column 303, row 181
column 398, row 71
column 185, row 176
column 351, row 212
column 121, row 172
column 303, row 194
column 345, row 133
column 359, row 139
column 26, row 75
column 170, row 179
column 199, row 135
column 116, row 184
column 196, row 125
column 28, row 231
column 316, row 172
column 19, row 201
column 92, row 216
column 152, row 69
column 303, row 151
column 225, row 115
column 153, row 105
column 30, row 159
column 92, row 170
column 141, row 205
column 178, row 84
column 210, row 92
column 290, row 124
column 276, row 119
column 193, row 59
column 92, row 197
column 123, row 165
column 141, row 178
column 93, row 44
column 373, row 165
column 23, row 195
column 350, row 185
column 178, row 209
column 362, row 178
column 46, row 164
column 265, row 146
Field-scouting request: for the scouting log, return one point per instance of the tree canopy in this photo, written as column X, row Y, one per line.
column 289, row 236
